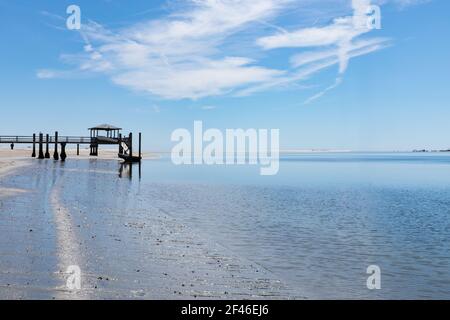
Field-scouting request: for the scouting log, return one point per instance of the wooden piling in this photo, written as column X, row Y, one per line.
column 47, row 141
column 130, row 138
column 55, row 154
column 78, row 149
column 63, row 151
column 140, row 148
column 41, row 147
column 34, row 146
column 94, row 148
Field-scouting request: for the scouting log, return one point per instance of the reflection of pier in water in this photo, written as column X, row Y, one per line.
column 126, row 169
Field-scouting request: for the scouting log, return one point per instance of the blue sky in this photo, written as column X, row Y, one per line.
column 302, row 66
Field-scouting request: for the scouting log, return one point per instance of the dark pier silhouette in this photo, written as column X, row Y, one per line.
column 99, row 135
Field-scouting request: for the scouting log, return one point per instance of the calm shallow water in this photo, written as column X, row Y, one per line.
column 316, row 226
column 323, row 219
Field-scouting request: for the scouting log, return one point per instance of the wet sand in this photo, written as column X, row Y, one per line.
column 81, row 213
column 7, row 167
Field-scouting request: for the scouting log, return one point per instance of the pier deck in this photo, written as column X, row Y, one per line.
column 61, row 139
column 113, row 137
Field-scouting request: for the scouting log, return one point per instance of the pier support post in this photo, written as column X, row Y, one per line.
column 63, row 151
column 41, row 147
column 94, row 147
column 55, row 154
column 47, row 141
column 34, row 146
column 130, row 138
column 12, row 146
column 78, row 149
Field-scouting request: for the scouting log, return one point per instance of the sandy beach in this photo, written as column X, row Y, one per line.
column 80, row 213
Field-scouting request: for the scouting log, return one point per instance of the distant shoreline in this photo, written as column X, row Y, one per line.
column 309, row 151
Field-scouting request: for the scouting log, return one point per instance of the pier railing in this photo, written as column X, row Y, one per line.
column 45, row 141
column 66, row 139
column 16, row 139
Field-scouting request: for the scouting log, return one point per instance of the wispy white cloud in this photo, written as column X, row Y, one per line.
column 335, row 42
column 187, row 55
column 337, row 82
column 194, row 81
column 179, row 56
column 355, row 49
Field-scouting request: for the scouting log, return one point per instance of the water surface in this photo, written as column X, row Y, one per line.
column 310, row 231
column 323, row 219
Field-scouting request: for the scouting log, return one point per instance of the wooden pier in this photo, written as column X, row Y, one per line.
column 100, row 135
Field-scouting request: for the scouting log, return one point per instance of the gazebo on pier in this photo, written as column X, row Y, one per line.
column 111, row 131
column 103, row 134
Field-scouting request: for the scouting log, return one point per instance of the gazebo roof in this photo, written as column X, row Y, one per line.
column 105, row 127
